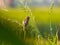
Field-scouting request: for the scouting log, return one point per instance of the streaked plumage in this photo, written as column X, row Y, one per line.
column 25, row 21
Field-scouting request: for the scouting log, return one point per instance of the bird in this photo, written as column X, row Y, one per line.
column 25, row 21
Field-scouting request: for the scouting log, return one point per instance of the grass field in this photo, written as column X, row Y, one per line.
column 37, row 31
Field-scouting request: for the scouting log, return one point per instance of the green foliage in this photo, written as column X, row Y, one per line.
column 11, row 32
